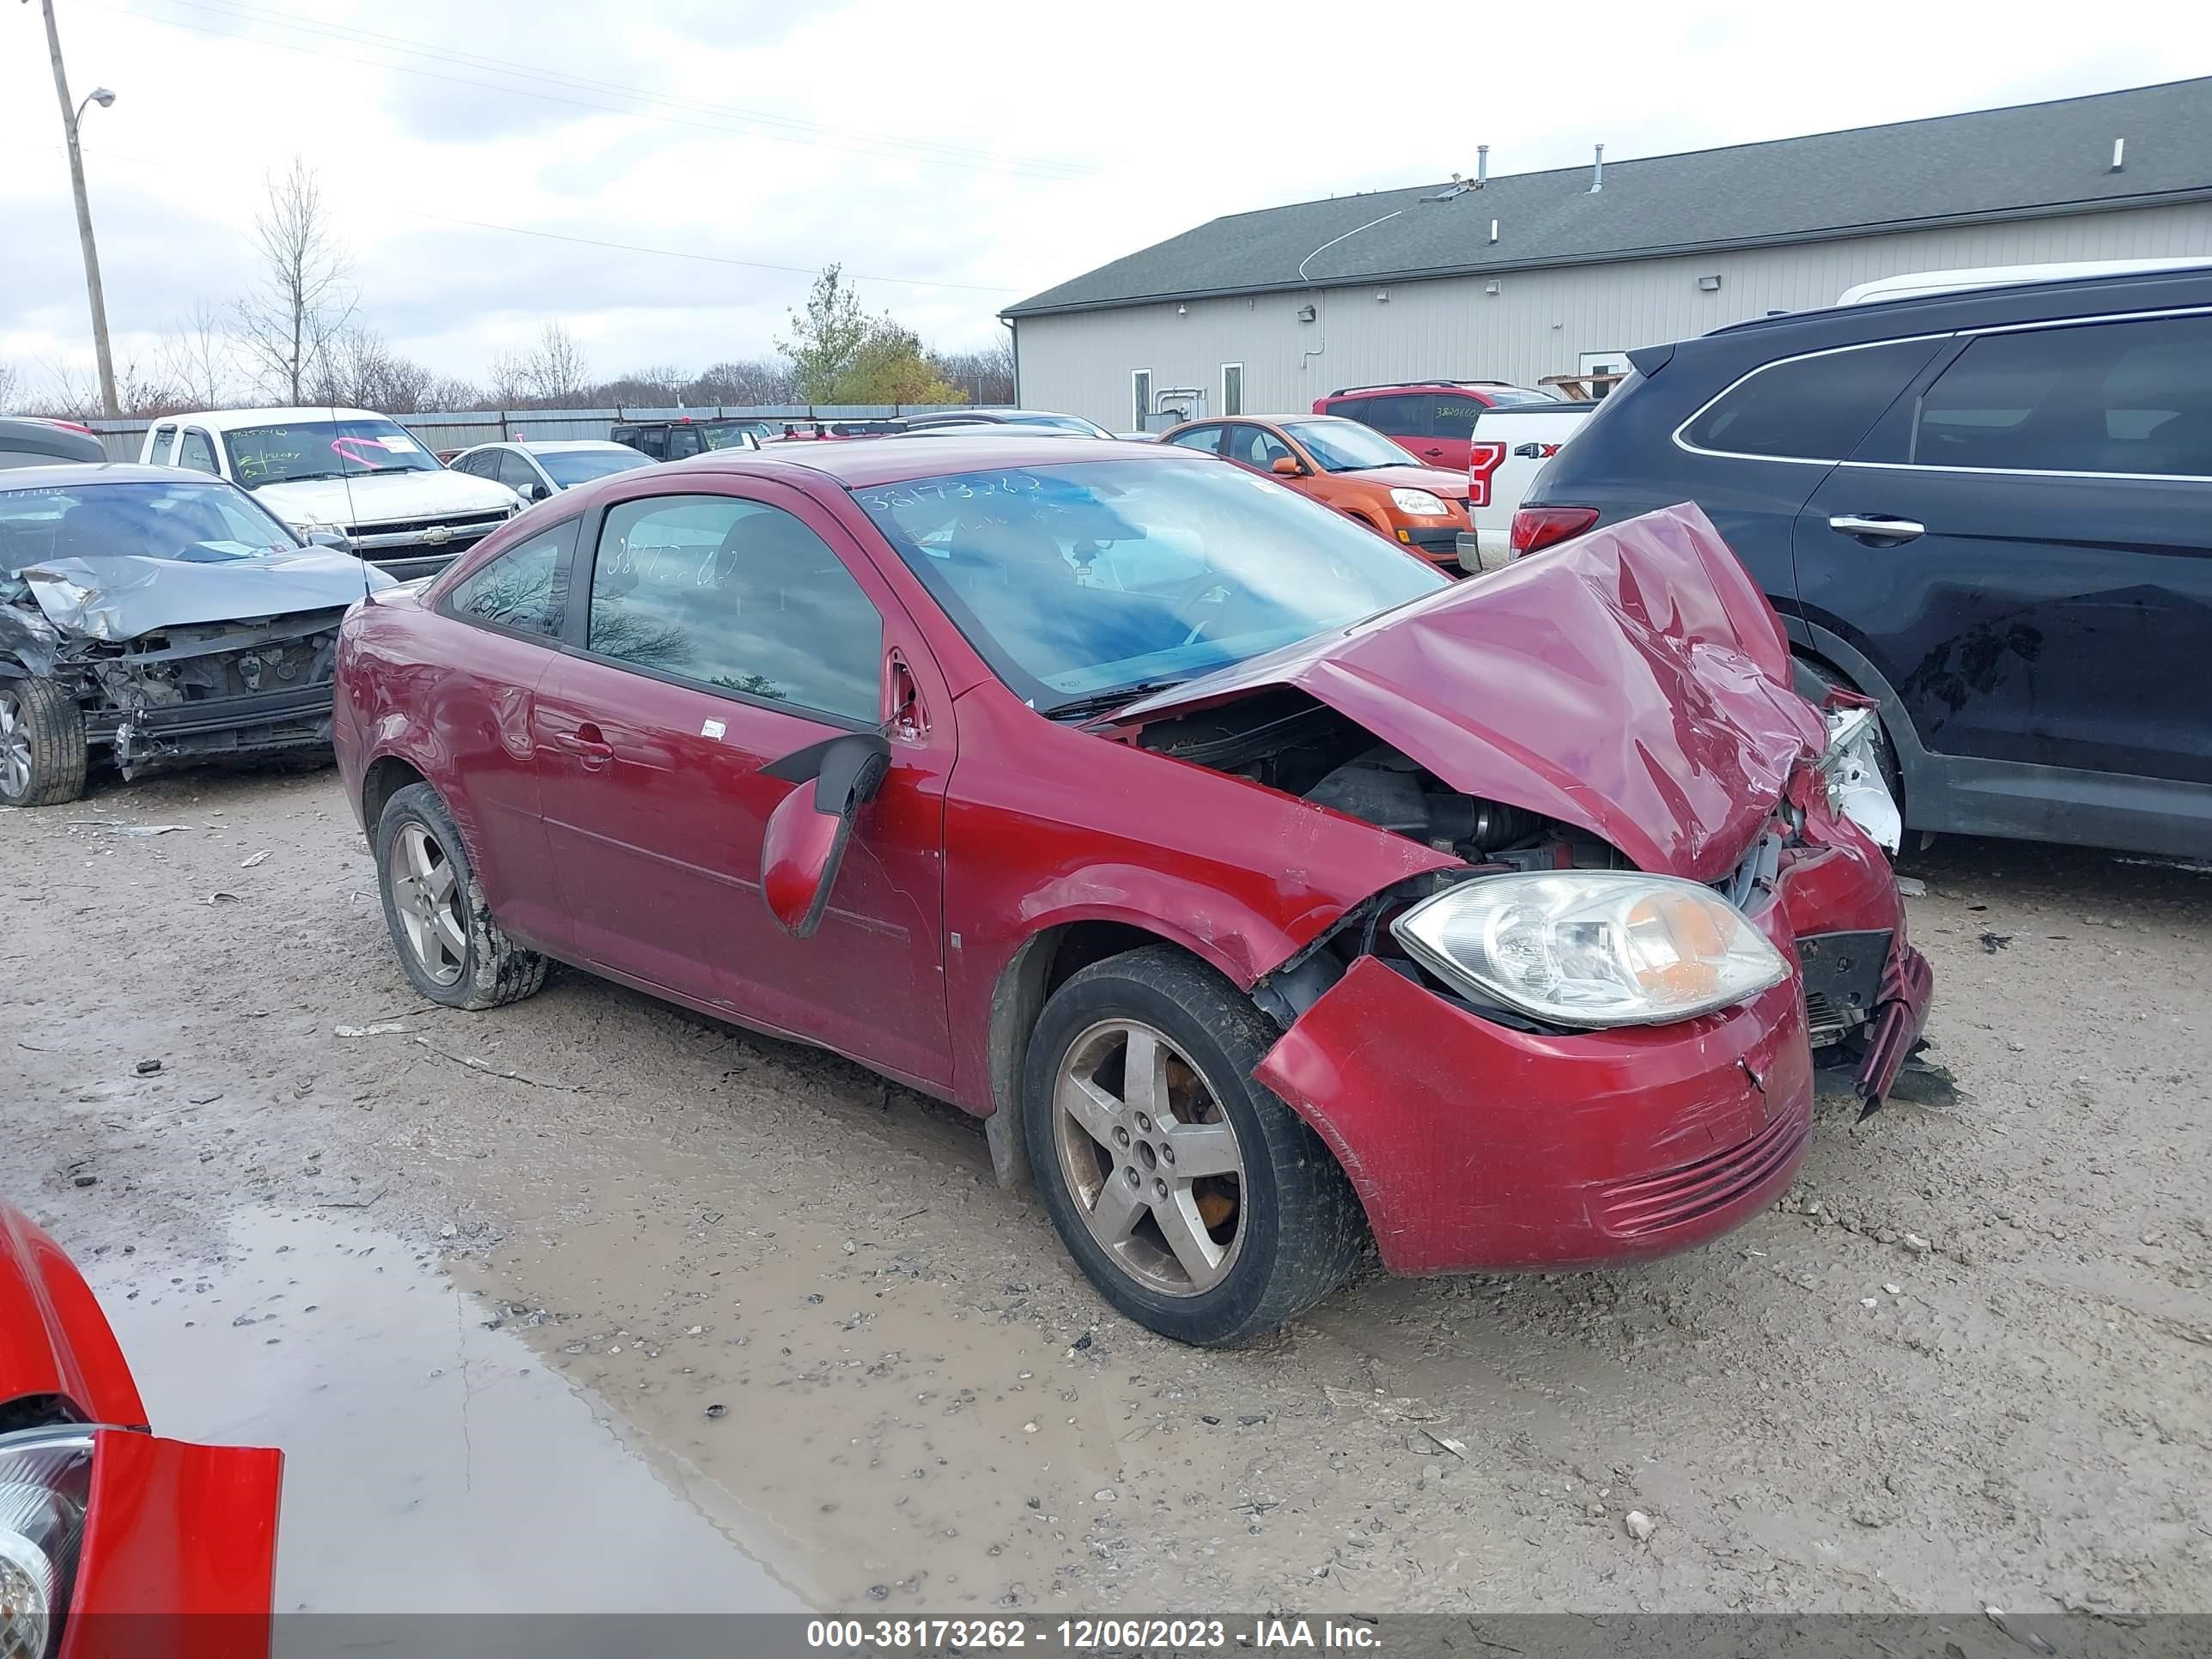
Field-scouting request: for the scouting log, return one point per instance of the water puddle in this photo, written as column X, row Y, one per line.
column 431, row 1465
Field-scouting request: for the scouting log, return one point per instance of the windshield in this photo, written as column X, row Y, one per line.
column 1079, row 580
column 1341, row 445
column 200, row 522
column 733, row 436
column 574, row 466
column 322, row 449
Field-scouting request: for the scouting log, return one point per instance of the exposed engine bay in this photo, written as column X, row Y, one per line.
column 191, row 692
column 1288, row 741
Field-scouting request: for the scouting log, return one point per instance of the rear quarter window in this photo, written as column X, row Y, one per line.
column 1809, row 409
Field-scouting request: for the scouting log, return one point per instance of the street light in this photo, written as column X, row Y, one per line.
column 103, row 97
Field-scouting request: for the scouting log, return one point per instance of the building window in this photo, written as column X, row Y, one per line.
column 1140, row 393
column 1232, row 388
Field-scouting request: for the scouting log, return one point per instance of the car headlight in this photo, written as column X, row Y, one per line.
column 1418, row 502
column 45, row 1476
column 1592, row 947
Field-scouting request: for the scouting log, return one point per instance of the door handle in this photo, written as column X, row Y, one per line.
column 1876, row 528
column 588, row 744
column 1432, row 452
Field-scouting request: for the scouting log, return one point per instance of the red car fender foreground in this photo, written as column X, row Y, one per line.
column 173, row 1553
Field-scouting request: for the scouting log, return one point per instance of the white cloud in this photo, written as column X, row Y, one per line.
column 1005, row 147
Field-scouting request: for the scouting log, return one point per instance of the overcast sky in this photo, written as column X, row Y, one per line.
column 955, row 154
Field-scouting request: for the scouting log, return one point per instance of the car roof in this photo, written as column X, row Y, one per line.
column 230, row 420
column 1424, row 385
column 557, row 445
column 80, row 473
column 1950, row 307
column 864, row 465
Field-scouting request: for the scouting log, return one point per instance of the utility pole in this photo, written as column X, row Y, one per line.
column 103, row 97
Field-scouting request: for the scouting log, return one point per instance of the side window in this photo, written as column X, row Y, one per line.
column 524, row 588
column 1207, row 438
column 738, row 596
column 1810, row 409
column 2132, row 397
column 1398, row 418
column 1453, row 417
column 157, row 452
column 683, row 441
column 478, row 464
column 517, row 474
column 196, row 452
column 1254, row 446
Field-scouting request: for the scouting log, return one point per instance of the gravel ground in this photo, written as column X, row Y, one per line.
column 1967, row 1361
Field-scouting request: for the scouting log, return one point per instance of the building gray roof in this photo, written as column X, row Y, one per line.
column 2026, row 160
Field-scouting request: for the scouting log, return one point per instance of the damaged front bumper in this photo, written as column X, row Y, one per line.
column 1475, row 1147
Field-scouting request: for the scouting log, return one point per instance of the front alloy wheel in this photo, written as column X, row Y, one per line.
column 1196, row 1202
column 43, row 756
column 1150, row 1157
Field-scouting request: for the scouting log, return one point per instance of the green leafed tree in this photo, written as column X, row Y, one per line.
column 891, row 368
column 825, row 337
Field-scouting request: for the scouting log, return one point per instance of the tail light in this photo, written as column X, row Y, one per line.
column 1535, row 528
column 1482, row 460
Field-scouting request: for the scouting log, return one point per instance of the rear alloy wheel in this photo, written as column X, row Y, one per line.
column 1197, row 1202
column 42, row 747
column 451, row 949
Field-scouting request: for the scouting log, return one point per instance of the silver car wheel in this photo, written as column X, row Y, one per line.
column 15, row 747
column 1150, row 1157
column 426, row 894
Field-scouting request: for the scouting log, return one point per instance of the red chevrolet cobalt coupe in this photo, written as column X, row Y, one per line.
column 1266, row 891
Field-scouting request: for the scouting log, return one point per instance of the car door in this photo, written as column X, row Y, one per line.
column 721, row 632
column 2023, row 549
column 1403, row 416
column 1255, row 447
column 479, row 704
column 160, row 444
column 1451, row 430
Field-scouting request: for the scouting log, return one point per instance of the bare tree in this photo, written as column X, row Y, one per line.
column 556, row 370
column 303, row 300
column 359, row 370
column 987, row 375
column 11, row 387
column 656, row 387
column 509, row 382
column 450, row 391
column 199, row 359
column 755, row 382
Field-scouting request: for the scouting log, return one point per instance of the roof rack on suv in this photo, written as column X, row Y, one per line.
column 1913, row 284
column 1394, row 386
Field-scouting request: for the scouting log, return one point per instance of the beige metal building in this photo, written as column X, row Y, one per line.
column 1520, row 276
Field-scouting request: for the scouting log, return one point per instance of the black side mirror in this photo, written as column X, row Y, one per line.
column 804, row 842
column 328, row 539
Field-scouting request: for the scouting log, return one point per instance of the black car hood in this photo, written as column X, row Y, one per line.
column 119, row 596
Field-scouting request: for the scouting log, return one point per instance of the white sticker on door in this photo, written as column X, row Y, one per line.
column 713, row 729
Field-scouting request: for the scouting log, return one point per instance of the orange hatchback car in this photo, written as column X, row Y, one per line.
column 1348, row 466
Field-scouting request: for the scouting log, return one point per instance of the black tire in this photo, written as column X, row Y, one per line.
column 43, row 725
column 488, row 969
column 1302, row 1228
column 1813, row 681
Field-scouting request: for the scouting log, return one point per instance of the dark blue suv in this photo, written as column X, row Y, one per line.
column 1990, row 508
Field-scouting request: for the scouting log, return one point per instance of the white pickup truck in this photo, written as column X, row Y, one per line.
column 1509, row 449
column 348, row 478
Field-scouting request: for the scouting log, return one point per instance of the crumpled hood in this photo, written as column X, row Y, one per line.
column 119, row 596
column 1634, row 683
column 378, row 498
